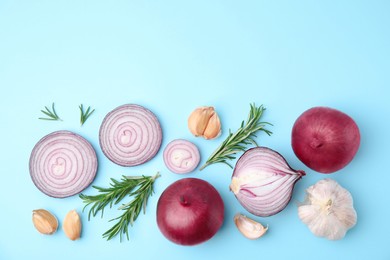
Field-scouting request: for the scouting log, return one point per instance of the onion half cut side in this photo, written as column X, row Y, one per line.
column 62, row 164
column 263, row 181
column 130, row 135
column 181, row 156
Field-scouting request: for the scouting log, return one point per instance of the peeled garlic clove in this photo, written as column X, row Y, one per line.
column 72, row 225
column 248, row 227
column 328, row 210
column 45, row 222
column 204, row 121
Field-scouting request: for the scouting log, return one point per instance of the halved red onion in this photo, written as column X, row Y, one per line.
column 63, row 164
column 130, row 135
column 263, row 181
column 181, row 156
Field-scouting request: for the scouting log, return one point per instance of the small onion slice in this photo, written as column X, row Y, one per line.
column 63, row 164
column 181, row 156
column 130, row 135
column 263, row 181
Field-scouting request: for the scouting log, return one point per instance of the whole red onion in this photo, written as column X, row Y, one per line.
column 325, row 139
column 190, row 211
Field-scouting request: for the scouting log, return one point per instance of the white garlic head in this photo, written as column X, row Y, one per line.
column 328, row 210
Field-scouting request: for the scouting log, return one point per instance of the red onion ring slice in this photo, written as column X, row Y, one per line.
column 62, row 164
column 181, row 156
column 130, row 135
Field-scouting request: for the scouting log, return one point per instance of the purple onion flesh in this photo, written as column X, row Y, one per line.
column 62, row 164
column 130, row 135
column 263, row 181
column 181, row 156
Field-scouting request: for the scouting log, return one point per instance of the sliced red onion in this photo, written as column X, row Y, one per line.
column 130, row 135
column 63, row 164
column 181, row 156
column 263, row 181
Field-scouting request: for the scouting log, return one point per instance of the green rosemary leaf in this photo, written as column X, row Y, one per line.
column 85, row 115
column 139, row 188
column 237, row 141
column 51, row 114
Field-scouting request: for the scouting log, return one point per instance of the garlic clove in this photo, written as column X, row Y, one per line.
column 45, row 222
column 248, row 227
column 204, row 121
column 72, row 225
column 213, row 128
column 198, row 120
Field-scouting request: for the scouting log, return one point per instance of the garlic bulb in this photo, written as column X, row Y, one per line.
column 328, row 210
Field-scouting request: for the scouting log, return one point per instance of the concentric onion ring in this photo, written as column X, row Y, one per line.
column 181, row 156
column 63, row 164
column 130, row 135
column 263, row 181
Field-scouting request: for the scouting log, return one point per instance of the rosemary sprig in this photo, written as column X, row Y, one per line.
column 138, row 187
column 84, row 115
column 52, row 115
column 237, row 142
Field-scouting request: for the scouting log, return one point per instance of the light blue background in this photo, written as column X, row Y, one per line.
column 173, row 56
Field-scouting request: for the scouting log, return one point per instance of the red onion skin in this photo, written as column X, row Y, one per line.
column 190, row 211
column 325, row 139
column 132, row 150
column 265, row 204
column 44, row 159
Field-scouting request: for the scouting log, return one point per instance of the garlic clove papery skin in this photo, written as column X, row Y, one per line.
column 328, row 210
column 199, row 119
column 213, row 128
column 44, row 221
column 204, row 121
